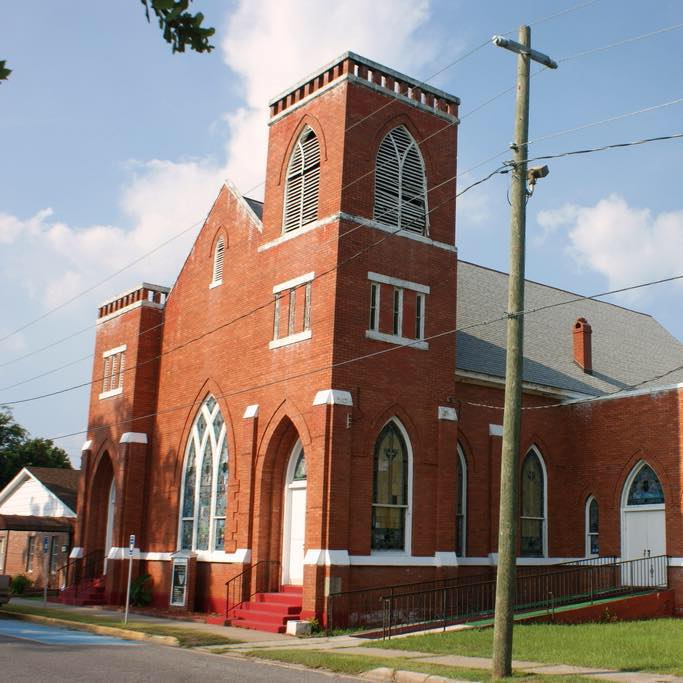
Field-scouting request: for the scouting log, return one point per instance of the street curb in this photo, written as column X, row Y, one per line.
column 400, row 676
column 127, row 634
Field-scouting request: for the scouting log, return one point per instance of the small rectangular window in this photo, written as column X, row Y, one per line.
column 291, row 321
column 307, row 307
column 30, row 550
column 107, row 373
column 54, row 550
column 276, row 317
column 374, row 306
column 419, row 316
column 398, row 312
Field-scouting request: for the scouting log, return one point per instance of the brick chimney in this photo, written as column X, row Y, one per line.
column 583, row 354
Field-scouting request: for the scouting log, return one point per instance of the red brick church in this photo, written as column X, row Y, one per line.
column 299, row 403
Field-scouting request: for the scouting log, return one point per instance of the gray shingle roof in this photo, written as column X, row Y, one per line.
column 256, row 206
column 629, row 348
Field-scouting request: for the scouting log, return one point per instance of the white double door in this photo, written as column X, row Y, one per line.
column 643, row 537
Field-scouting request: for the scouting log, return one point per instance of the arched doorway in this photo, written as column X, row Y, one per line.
column 643, row 515
column 294, row 523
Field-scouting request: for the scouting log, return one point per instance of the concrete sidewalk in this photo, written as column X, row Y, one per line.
column 350, row 645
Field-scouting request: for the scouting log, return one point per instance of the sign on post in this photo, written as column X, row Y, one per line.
column 46, row 566
column 131, row 548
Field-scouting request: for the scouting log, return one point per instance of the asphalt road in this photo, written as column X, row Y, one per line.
column 26, row 656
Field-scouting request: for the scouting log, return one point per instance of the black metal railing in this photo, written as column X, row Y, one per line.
column 80, row 571
column 260, row 577
column 362, row 608
column 560, row 585
column 590, row 561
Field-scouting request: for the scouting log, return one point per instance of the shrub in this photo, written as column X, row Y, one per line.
column 19, row 584
column 141, row 591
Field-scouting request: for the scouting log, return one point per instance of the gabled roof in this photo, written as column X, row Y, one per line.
column 58, row 482
column 630, row 349
column 62, row 482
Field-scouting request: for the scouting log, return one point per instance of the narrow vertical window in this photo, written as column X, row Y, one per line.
column 390, row 491
column 107, row 374
column 460, row 513
column 374, row 306
column 303, row 180
column 533, row 507
column 398, row 312
column 307, row 306
column 592, row 528
column 54, row 549
column 419, row 316
column 114, row 378
column 291, row 318
column 30, row 550
column 276, row 317
column 221, row 498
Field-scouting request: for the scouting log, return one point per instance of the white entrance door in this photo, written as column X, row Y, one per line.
column 644, row 533
column 111, row 507
column 294, row 527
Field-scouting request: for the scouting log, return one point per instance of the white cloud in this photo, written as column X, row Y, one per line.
column 625, row 244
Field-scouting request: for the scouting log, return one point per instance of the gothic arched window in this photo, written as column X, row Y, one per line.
column 303, row 181
column 592, row 527
column 533, row 506
column 391, row 491
column 400, row 183
column 205, row 479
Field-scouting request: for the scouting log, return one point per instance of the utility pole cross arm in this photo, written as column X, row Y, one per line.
column 520, row 49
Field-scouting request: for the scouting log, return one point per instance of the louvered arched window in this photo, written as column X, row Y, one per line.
column 400, row 184
column 205, row 479
column 303, row 182
column 218, row 255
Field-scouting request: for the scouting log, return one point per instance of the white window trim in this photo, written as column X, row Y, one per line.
column 588, row 533
column 408, row 532
column 294, row 282
column 375, row 300
column 544, row 535
column 215, row 283
column 117, row 349
column 398, row 282
column 290, row 339
column 399, row 325
column 111, row 393
column 395, row 339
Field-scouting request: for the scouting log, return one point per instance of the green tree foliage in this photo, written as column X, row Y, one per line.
column 180, row 28
column 18, row 449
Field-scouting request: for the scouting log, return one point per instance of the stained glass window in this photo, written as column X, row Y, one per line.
column 533, row 507
column 646, row 488
column 300, row 468
column 390, row 490
column 203, row 503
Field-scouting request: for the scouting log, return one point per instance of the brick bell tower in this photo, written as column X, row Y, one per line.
column 371, row 155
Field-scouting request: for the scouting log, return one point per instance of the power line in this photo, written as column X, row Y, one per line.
column 269, row 303
column 632, row 39
column 396, row 347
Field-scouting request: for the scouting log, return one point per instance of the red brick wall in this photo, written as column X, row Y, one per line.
column 16, row 551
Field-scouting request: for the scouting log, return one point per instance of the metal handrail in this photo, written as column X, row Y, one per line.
column 545, row 590
column 80, row 569
column 231, row 603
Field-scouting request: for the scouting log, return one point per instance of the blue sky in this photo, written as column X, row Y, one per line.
column 111, row 144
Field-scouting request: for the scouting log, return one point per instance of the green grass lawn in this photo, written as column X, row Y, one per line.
column 655, row 645
column 186, row 637
column 358, row 664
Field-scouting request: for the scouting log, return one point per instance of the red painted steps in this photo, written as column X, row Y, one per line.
column 269, row 611
column 89, row 593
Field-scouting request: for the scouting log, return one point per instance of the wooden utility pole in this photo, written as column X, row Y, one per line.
column 509, row 466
